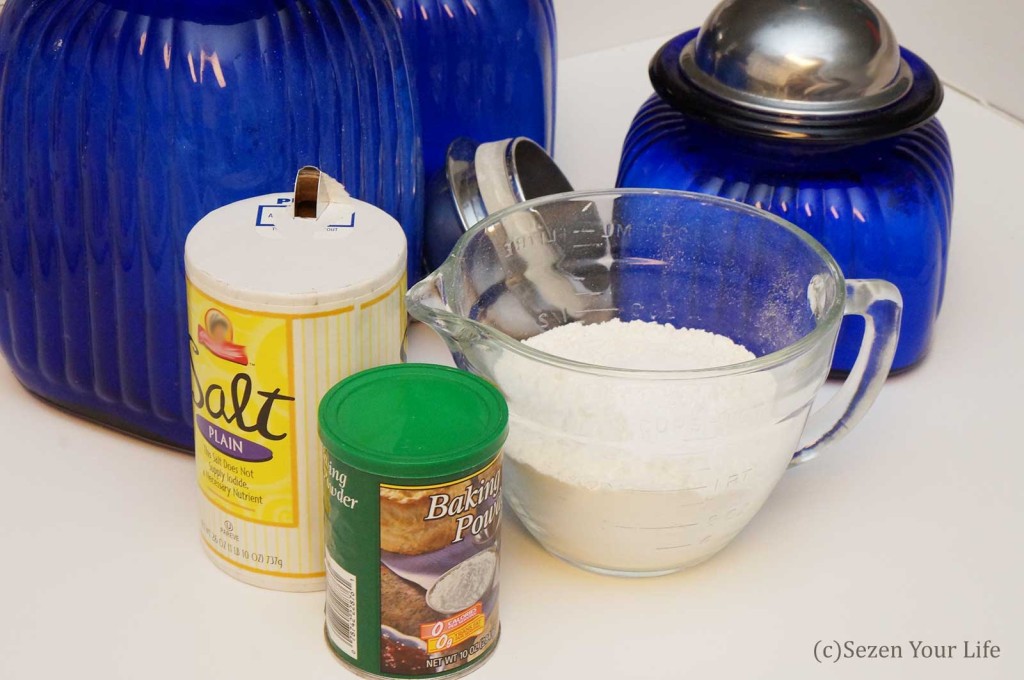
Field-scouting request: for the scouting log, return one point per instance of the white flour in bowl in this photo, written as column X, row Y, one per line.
column 640, row 476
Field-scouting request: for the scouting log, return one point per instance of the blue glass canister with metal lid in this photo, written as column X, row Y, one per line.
column 809, row 109
column 485, row 69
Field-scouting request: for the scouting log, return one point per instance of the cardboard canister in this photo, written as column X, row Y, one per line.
column 287, row 295
column 413, row 472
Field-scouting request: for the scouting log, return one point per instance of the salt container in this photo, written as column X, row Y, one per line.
column 287, row 295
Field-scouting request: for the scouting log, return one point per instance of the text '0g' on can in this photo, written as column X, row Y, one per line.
column 413, row 487
column 287, row 295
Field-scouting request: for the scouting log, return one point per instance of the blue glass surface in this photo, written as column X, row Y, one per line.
column 485, row 69
column 693, row 264
column 123, row 122
column 883, row 208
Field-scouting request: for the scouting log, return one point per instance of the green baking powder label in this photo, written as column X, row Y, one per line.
column 412, row 471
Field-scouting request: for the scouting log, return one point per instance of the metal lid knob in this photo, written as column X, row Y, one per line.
column 798, row 69
column 829, row 57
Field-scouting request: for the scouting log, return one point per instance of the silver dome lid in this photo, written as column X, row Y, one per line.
column 820, row 57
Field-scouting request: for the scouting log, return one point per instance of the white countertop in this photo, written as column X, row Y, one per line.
column 909, row 529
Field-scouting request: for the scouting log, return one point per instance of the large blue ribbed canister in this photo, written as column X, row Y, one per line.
column 123, row 122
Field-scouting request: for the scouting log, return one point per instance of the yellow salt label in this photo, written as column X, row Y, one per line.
column 243, row 394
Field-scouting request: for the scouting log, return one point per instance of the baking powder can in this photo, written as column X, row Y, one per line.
column 287, row 294
column 413, row 488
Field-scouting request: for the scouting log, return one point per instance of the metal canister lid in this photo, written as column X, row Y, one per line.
column 309, row 251
column 414, row 422
column 800, row 69
column 481, row 179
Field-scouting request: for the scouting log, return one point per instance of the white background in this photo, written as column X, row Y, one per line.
column 973, row 44
column 908, row 529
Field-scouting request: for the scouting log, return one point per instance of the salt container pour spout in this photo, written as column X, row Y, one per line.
column 314, row 190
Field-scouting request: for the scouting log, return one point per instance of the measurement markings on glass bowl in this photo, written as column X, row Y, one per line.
column 673, row 526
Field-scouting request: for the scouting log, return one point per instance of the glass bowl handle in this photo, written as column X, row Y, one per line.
column 881, row 305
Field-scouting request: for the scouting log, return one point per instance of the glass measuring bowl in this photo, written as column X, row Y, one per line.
column 644, row 472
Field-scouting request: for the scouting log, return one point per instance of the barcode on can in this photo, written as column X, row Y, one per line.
column 341, row 608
